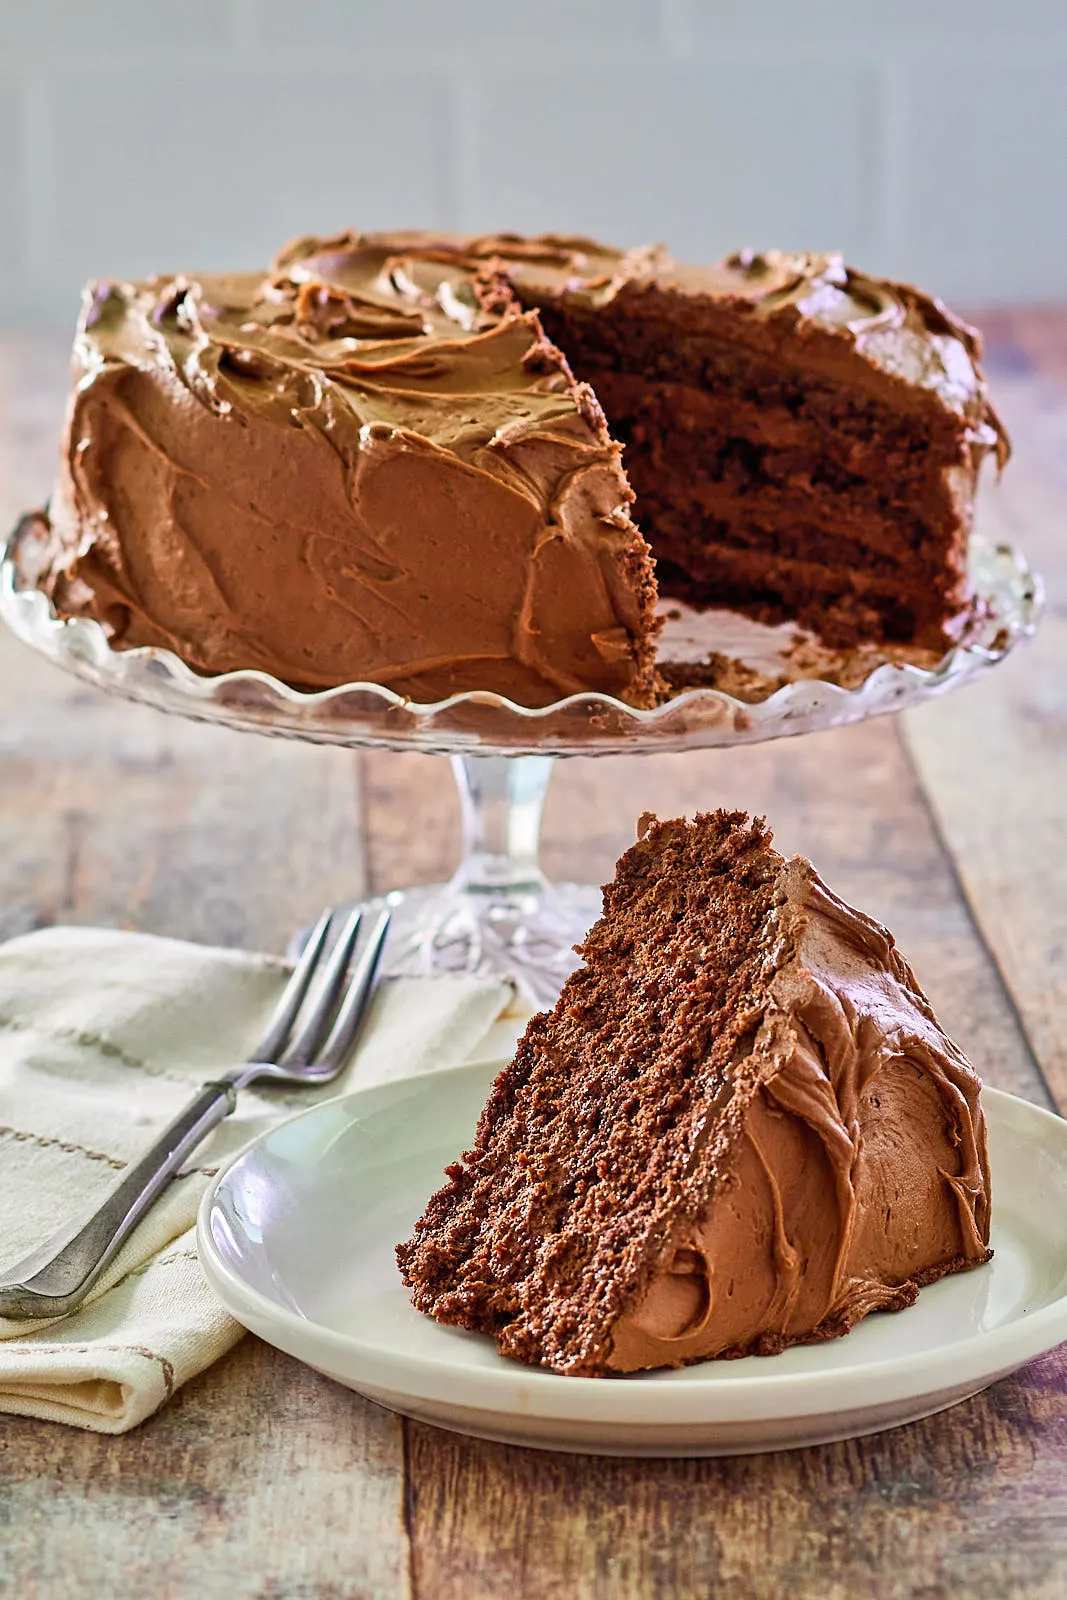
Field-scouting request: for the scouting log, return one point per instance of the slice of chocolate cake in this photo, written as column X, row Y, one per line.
column 741, row 1128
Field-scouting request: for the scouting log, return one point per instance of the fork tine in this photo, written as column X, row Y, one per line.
column 356, row 1001
column 310, row 1036
column 293, row 995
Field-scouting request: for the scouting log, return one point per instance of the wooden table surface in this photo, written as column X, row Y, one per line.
column 262, row 1478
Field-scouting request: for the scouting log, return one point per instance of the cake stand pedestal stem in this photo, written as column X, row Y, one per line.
column 501, row 800
column 498, row 915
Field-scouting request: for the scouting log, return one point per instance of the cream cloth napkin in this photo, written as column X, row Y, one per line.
column 103, row 1037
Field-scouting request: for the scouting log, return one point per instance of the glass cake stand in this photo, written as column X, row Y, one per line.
column 498, row 913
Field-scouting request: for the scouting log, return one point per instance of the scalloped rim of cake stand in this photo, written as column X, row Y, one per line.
column 481, row 722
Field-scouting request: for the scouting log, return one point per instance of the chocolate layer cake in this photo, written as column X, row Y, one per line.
column 386, row 460
column 741, row 1128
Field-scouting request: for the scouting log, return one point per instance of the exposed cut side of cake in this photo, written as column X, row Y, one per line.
column 741, row 1128
column 386, row 460
column 803, row 439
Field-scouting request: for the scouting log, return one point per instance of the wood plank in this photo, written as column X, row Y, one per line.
column 993, row 759
column 260, row 1479
column 115, row 813
column 973, row 1501
column 411, row 812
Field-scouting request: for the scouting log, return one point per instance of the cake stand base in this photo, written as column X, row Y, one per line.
column 528, row 937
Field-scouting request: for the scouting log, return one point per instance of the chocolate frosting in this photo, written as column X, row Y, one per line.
column 896, row 330
column 860, row 1157
column 360, row 467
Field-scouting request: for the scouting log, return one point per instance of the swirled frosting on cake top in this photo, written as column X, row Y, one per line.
column 895, row 328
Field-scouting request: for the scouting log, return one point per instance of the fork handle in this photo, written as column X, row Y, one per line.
column 57, row 1277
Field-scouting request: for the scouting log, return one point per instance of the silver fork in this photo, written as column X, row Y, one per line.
column 57, row 1276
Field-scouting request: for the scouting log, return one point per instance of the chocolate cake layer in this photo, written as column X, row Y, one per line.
column 741, row 1128
column 788, row 403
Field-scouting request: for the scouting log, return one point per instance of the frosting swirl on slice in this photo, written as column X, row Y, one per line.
column 861, row 1159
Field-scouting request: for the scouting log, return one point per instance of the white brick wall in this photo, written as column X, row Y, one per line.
column 926, row 138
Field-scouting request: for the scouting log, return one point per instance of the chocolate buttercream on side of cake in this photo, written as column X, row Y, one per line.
column 383, row 474
column 741, row 1128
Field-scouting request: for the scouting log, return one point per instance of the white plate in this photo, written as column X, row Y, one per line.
column 297, row 1238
